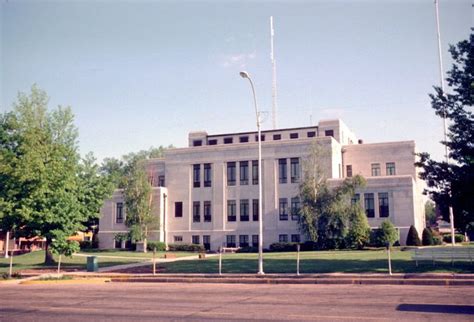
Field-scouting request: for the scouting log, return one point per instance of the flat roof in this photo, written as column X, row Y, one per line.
column 265, row 131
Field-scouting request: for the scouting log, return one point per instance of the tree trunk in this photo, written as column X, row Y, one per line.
column 48, row 256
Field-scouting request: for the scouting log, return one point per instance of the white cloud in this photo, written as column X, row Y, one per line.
column 238, row 59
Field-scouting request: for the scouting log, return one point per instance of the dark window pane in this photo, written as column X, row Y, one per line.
column 178, row 209
column 197, row 142
column 276, row 137
column 196, row 175
column 282, row 170
column 244, row 210
column 383, row 204
column 228, row 140
column 283, row 209
column 212, row 142
column 311, row 134
column 329, row 133
column 244, row 139
column 293, row 135
column 207, row 174
column 369, row 205
column 231, row 173
column 244, row 173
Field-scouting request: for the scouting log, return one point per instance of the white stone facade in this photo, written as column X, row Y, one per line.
column 197, row 190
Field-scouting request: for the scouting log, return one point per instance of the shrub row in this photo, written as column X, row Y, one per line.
column 186, row 248
column 159, row 246
column 458, row 238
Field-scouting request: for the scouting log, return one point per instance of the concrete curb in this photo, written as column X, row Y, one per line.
column 72, row 281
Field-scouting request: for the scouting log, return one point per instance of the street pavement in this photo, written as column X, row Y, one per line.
column 224, row 302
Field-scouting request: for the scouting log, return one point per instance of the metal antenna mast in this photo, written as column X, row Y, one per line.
column 445, row 126
column 274, row 85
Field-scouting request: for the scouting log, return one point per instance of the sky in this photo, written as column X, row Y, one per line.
column 146, row 73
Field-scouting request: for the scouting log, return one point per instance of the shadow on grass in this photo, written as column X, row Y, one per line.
column 237, row 265
column 437, row 308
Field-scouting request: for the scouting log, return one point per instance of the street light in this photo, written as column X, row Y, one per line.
column 244, row 74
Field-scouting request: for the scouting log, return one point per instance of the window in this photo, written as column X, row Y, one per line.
column 311, row 134
column 295, row 208
column 228, row 140
column 178, row 239
column 375, row 169
column 254, row 240
column 197, row 142
column 355, row 199
column 349, row 170
column 369, row 205
column 230, row 240
column 243, row 139
column 383, row 204
column 282, row 171
column 231, row 173
column 206, row 242
column 161, row 181
column 212, row 142
column 283, row 209
column 255, row 209
column 118, row 244
column 196, row 175
column 295, row 238
column 262, row 137
column 196, row 211
column 255, row 172
column 295, row 170
column 329, row 133
column 243, row 240
column 207, row 211
column 178, row 209
column 293, row 135
column 207, row 174
column 195, row 239
column 119, row 212
column 390, row 168
column 244, row 173
column 244, row 210
column 231, row 210
column 276, row 137
column 283, row 238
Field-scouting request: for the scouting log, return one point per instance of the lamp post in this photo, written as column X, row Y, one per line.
column 244, row 74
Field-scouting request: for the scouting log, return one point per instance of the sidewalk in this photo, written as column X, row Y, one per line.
column 149, row 262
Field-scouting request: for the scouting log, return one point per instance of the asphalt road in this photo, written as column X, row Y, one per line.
column 204, row 302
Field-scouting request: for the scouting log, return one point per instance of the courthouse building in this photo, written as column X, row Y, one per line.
column 207, row 193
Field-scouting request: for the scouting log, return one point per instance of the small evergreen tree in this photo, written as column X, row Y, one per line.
column 388, row 234
column 359, row 229
column 427, row 237
column 412, row 238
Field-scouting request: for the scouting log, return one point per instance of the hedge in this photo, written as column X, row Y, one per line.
column 152, row 244
column 186, row 248
column 283, row 247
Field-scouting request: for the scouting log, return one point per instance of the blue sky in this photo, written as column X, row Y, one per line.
column 143, row 73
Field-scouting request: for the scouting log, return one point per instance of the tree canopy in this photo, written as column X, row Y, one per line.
column 453, row 184
column 46, row 190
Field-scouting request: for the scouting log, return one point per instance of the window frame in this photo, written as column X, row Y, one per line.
column 244, row 173
column 178, row 205
column 119, row 219
column 231, row 210
column 283, row 209
column 231, row 173
column 282, row 171
column 207, row 211
column 295, row 170
column 196, row 175
column 369, row 200
column 196, row 211
column 244, row 210
column 384, row 204
column 207, row 175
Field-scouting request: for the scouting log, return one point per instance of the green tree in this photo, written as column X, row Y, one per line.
column 138, row 197
column 430, row 213
column 359, row 229
column 61, row 246
column 427, row 238
column 94, row 188
column 412, row 238
column 387, row 233
column 43, row 192
column 325, row 212
column 453, row 184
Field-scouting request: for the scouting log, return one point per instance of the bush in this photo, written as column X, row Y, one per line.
column 437, row 240
column 309, row 246
column 249, row 249
column 152, row 244
column 359, row 230
column 458, row 238
column 427, row 237
column 412, row 238
column 186, row 248
column 283, row 247
column 89, row 244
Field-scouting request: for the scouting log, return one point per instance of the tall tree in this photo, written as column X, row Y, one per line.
column 138, row 197
column 326, row 212
column 453, row 184
column 44, row 191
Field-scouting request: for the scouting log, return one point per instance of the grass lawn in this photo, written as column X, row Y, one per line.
column 346, row 261
column 34, row 260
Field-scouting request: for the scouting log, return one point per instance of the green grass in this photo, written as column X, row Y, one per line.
column 366, row 261
column 34, row 260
